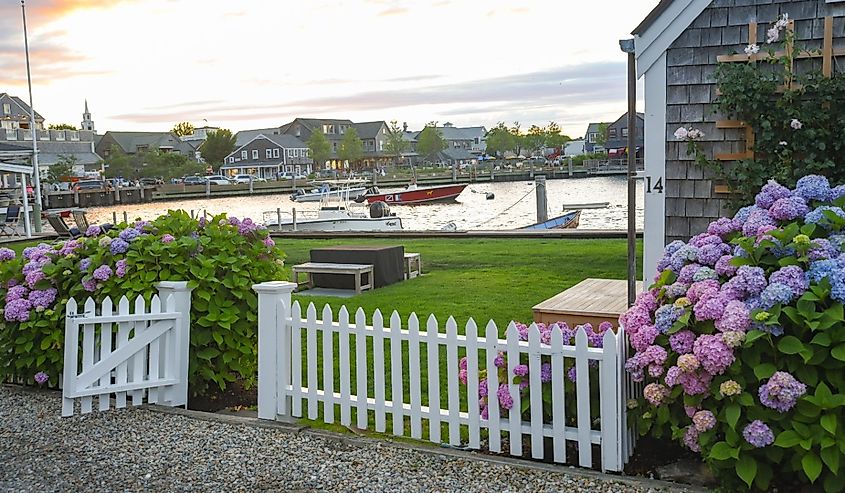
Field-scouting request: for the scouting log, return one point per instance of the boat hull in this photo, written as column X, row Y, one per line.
column 426, row 195
column 569, row 220
column 344, row 194
column 363, row 224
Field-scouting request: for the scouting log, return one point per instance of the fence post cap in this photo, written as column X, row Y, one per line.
column 274, row 287
column 174, row 285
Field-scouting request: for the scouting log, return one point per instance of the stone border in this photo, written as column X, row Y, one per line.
column 362, row 441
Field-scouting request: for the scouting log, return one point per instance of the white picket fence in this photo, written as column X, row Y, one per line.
column 128, row 354
column 289, row 350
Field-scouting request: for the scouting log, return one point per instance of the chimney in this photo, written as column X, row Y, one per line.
column 404, row 126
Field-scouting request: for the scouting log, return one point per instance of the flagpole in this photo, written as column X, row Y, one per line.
column 36, row 207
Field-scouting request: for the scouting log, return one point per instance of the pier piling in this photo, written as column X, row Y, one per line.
column 542, row 206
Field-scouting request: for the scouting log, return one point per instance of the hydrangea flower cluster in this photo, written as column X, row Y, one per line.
column 521, row 372
column 688, row 327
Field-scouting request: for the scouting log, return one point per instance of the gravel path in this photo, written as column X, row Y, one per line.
column 142, row 450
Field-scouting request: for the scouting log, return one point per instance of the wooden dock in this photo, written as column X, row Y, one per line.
column 591, row 300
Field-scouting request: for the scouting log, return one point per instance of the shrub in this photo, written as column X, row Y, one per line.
column 741, row 340
column 221, row 258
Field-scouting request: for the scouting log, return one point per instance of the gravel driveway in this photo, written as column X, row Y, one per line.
column 143, row 450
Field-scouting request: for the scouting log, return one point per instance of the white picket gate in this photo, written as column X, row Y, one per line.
column 289, row 349
column 128, row 354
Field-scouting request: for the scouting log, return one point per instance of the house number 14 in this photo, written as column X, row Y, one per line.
column 656, row 188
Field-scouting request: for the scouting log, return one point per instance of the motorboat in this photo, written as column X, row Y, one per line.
column 331, row 189
column 569, row 220
column 414, row 195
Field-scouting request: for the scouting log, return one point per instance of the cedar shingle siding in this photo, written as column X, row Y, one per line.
column 721, row 29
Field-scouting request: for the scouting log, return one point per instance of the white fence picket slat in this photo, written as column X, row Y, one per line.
column 608, row 381
column 494, row 437
column 473, row 411
column 328, row 365
column 311, row 358
column 582, row 393
column 535, row 392
column 71, row 355
column 296, row 359
column 154, row 355
column 88, row 345
column 122, row 339
column 397, row 386
column 515, row 412
column 433, row 379
column 453, row 403
column 345, row 373
column 558, row 398
column 361, row 368
column 414, row 375
column 105, row 351
column 283, row 362
column 378, row 370
column 139, row 361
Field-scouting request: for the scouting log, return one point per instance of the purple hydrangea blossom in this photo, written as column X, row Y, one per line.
column 655, row 393
column 102, row 273
column 776, row 293
column 682, row 342
column 691, row 439
column 41, row 378
column 129, row 234
column 17, row 292
column 704, row 273
column 7, row 254
column 673, row 375
column 709, row 308
column 504, row 395
column 84, row 264
column 33, row 277
column 781, row 392
column 813, row 187
column 644, row 337
column 792, row 276
column 704, row 421
column 742, row 215
column 695, row 383
column 736, row 317
column 713, row 354
column 500, row 361
column 89, row 284
column 120, row 268
column 722, row 226
column 676, row 290
column 17, row 310
column 666, row 316
column 247, row 226
column 167, row 238
column 482, row 387
column 269, row 243
column 758, row 434
column 758, row 219
column 520, row 370
column 93, row 230
column 118, row 246
column 837, row 192
column 546, row 372
column 789, row 208
column 44, row 298
column 817, row 215
column 572, row 374
column 771, row 192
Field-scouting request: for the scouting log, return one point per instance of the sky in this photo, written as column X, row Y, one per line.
column 147, row 64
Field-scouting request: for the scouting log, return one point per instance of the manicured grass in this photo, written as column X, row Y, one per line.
column 498, row 279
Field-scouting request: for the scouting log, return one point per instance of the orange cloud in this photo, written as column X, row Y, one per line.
column 59, row 8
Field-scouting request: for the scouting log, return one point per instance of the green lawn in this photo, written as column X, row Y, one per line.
column 498, row 279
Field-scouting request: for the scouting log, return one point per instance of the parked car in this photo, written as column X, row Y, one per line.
column 245, row 179
column 194, row 180
column 89, row 185
column 151, row 181
column 218, row 180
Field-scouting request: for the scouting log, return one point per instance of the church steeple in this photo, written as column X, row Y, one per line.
column 87, row 122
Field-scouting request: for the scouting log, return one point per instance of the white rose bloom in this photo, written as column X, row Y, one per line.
column 752, row 49
column 681, row 133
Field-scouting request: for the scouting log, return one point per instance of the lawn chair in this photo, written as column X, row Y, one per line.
column 9, row 227
column 80, row 219
column 61, row 227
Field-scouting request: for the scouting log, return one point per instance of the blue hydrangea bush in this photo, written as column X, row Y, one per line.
column 740, row 342
column 221, row 258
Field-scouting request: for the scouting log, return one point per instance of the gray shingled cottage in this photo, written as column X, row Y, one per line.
column 677, row 48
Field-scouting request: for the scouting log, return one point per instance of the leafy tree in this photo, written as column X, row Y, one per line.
column 182, row 129
column 61, row 126
column 430, row 141
column 151, row 164
column 319, row 148
column 519, row 141
column 535, row 140
column 499, row 140
column 62, row 169
column 554, row 137
column 396, row 143
column 351, row 148
column 217, row 146
column 601, row 139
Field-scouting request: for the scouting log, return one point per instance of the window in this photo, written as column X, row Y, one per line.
column 328, row 128
column 243, row 154
column 268, row 153
column 298, row 131
column 232, row 159
column 255, row 154
column 476, row 141
column 7, row 109
column 276, row 152
column 611, row 133
column 334, row 145
column 592, row 137
column 625, row 132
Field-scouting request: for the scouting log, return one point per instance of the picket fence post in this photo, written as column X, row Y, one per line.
column 177, row 298
column 269, row 337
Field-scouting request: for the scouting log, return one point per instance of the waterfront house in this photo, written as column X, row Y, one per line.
column 617, row 136
column 373, row 136
column 574, row 148
column 15, row 114
column 244, row 136
column 333, row 129
column 267, row 156
column 593, row 137
column 678, row 46
column 139, row 142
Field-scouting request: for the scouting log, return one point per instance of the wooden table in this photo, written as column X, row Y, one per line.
column 357, row 270
column 591, row 300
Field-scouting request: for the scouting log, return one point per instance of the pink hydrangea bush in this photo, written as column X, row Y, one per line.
column 740, row 341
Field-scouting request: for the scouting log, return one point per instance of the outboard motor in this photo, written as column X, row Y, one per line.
column 490, row 196
column 379, row 209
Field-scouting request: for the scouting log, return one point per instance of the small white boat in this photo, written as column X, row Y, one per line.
column 331, row 189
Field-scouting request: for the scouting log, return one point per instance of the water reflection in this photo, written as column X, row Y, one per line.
column 514, row 206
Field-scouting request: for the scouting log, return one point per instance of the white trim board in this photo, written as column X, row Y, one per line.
column 654, row 221
column 655, row 40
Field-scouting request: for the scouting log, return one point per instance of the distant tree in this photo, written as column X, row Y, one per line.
column 351, row 149
column 535, row 139
column 554, row 137
column 182, row 129
column 430, row 141
column 519, row 141
column 601, row 139
column 396, row 143
column 61, row 126
column 151, row 164
column 62, row 170
column 499, row 140
column 217, row 146
column 319, row 148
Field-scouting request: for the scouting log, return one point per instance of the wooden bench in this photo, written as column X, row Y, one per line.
column 591, row 300
column 413, row 265
column 356, row 270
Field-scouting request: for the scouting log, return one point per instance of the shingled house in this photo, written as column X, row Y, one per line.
column 678, row 47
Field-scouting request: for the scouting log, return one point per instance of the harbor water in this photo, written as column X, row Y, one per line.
column 514, row 206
